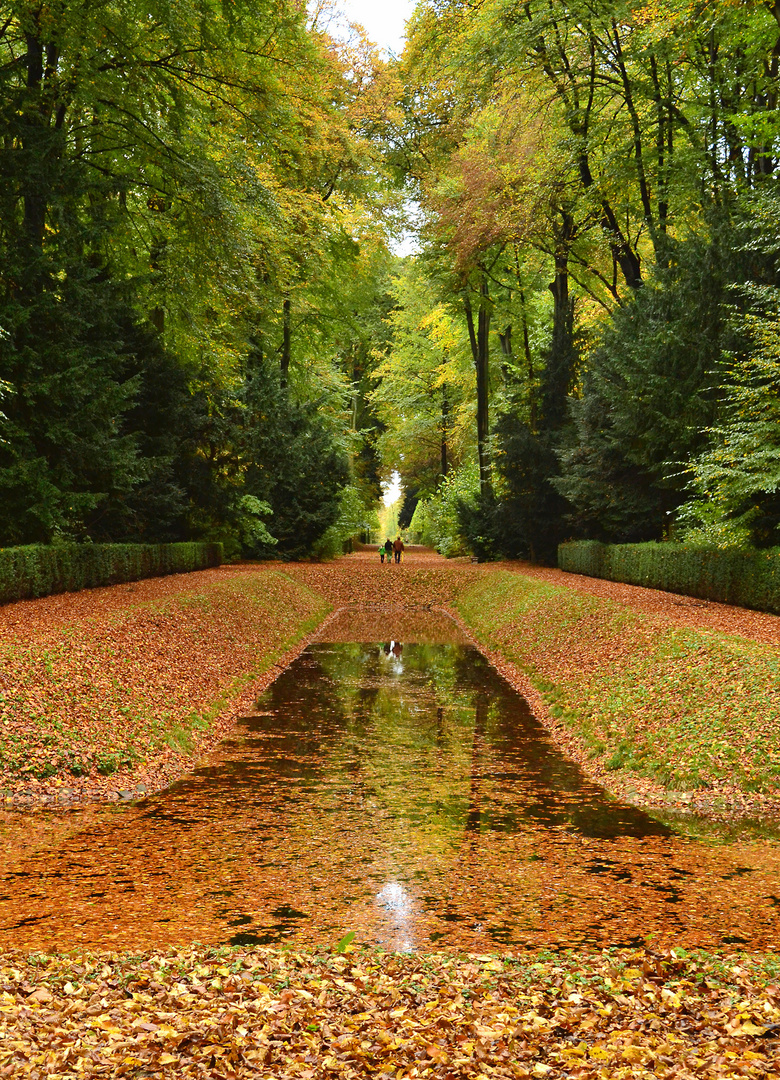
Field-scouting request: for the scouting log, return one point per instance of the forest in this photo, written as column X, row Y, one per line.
column 207, row 331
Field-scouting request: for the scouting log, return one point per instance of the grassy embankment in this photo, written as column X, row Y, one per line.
column 685, row 709
column 117, row 692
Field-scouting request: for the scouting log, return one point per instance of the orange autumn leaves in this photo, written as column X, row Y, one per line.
column 263, row 1013
column 112, row 691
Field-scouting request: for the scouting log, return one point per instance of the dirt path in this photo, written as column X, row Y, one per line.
column 424, row 578
column 391, row 584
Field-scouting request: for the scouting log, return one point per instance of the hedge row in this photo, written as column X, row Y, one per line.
column 746, row 578
column 39, row 570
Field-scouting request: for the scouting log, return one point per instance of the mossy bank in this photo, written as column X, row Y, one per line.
column 648, row 707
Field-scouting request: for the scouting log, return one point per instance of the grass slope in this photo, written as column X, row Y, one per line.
column 110, row 692
column 687, row 709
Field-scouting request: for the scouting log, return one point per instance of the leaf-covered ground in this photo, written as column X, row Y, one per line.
column 116, row 687
column 260, row 1013
column 691, row 710
column 234, row 1014
column 687, row 611
column 119, row 690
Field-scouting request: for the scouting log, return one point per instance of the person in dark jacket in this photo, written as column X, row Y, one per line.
column 388, row 550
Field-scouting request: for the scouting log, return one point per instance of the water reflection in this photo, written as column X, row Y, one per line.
column 398, row 905
column 398, row 789
column 393, row 652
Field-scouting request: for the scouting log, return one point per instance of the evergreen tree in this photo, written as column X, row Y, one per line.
column 650, row 392
column 64, row 453
column 735, row 480
column 290, row 461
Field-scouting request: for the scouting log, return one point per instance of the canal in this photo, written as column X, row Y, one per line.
column 389, row 783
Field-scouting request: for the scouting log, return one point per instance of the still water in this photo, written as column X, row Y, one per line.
column 399, row 789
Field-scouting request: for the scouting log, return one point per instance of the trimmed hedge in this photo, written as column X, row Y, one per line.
column 40, row 570
column 748, row 579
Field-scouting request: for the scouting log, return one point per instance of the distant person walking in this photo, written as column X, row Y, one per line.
column 398, row 548
column 382, row 553
column 388, row 549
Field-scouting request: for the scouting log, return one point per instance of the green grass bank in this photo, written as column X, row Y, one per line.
column 686, row 710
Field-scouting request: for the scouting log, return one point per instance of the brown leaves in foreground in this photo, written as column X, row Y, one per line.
column 266, row 1013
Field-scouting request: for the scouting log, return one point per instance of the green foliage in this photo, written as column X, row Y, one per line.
column 746, row 578
column 529, row 519
column 107, row 762
column 290, row 460
column 252, row 529
column 735, row 481
column 343, row 945
column 173, row 179
column 38, row 570
column 64, row 453
column 98, row 431
column 606, row 157
column 423, row 372
column 437, row 520
column 650, row 392
column 355, row 518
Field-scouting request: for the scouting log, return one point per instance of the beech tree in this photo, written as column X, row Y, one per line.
column 612, row 147
column 176, row 181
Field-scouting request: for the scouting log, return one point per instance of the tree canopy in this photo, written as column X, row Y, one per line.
column 598, row 182
column 204, row 331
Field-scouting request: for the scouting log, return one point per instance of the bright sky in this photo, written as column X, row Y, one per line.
column 384, row 20
column 392, row 489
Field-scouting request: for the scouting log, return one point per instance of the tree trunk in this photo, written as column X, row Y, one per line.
column 33, row 183
column 529, row 362
column 622, row 252
column 559, row 369
column 480, row 351
column 156, row 264
column 286, row 338
column 445, row 418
